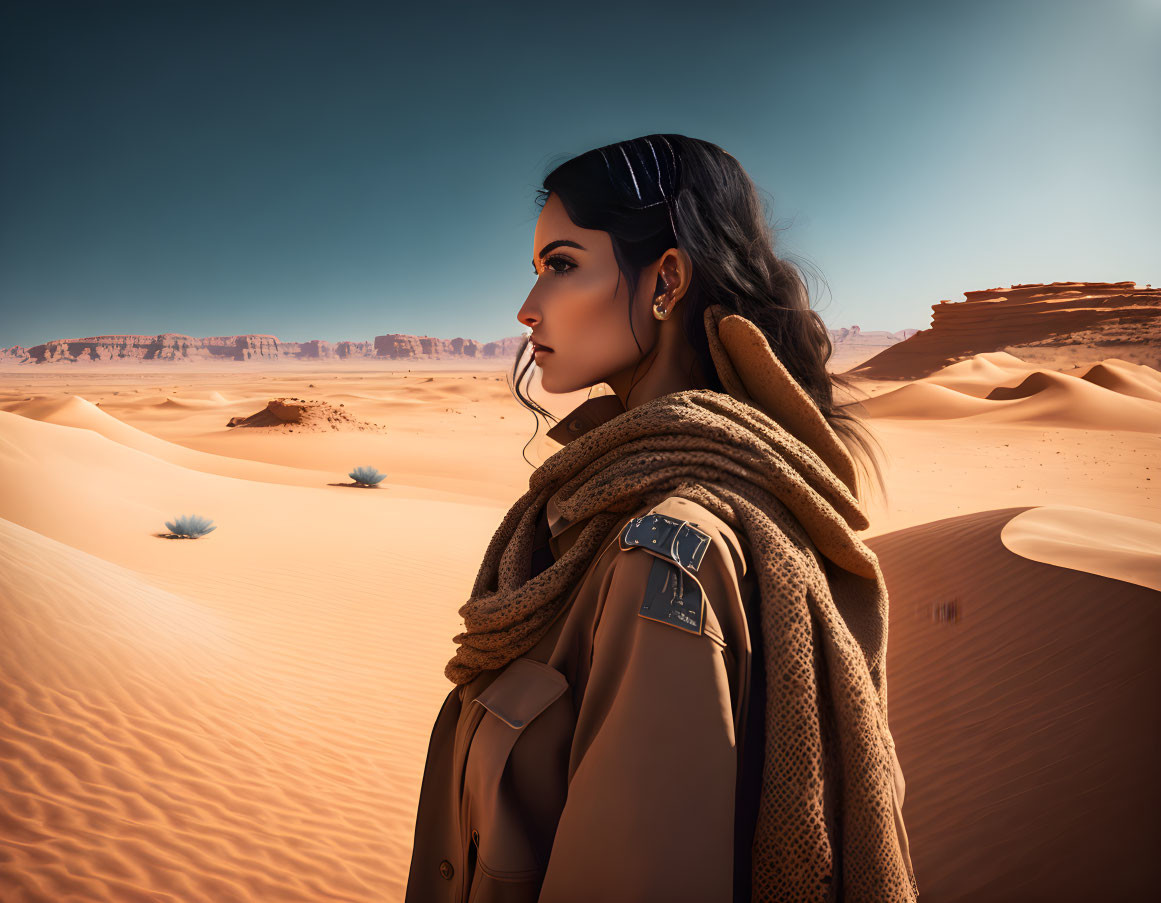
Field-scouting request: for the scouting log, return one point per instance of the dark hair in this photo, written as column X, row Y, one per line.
column 669, row 191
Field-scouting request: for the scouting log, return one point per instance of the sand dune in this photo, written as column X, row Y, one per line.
column 1025, row 702
column 1128, row 379
column 921, row 400
column 192, row 399
column 81, row 488
column 1069, row 536
column 148, row 752
column 1000, row 392
column 185, row 403
column 234, row 718
column 1053, row 398
column 1145, row 374
column 245, row 716
column 990, row 368
column 77, row 412
column 199, row 439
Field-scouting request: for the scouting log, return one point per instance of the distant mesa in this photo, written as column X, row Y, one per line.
column 853, row 335
column 175, row 347
column 393, row 346
column 1040, row 323
column 412, row 347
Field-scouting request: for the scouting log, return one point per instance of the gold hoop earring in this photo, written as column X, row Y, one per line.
column 659, row 312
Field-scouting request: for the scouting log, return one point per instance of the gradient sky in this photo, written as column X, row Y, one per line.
column 339, row 170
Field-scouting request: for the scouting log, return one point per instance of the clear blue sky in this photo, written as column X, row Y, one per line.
column 340, row 170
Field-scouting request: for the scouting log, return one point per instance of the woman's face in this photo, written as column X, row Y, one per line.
column 578, row 309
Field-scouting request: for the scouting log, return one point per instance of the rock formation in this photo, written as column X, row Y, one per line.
column 408, row 347
column 307, row 415
column 176, row 347
column 1051, row 323
column 853, row 335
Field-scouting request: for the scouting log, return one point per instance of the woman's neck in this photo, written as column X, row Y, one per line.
column 670, row 367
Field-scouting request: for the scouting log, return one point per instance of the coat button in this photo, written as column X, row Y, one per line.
column 445, row 869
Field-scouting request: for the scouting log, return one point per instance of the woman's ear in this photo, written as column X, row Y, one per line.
column 673, row 275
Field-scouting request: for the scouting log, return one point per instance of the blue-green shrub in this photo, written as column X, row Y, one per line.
column 367, row 476
column 191, row 525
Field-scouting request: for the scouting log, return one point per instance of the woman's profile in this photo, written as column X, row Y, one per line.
column 671, row 680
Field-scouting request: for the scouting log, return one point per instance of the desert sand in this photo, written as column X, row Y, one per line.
column 245, row 716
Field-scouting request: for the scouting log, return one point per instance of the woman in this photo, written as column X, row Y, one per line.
column 671, row 684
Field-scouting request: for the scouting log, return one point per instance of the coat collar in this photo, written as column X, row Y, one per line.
column 589, row 414
column 586, row 416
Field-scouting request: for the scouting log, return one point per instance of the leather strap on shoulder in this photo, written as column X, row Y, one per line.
column 677, row 540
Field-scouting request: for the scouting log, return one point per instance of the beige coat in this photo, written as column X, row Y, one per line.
column 612, row 761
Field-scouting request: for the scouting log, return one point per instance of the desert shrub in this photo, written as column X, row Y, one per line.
column 190, row 525
column 366, row 476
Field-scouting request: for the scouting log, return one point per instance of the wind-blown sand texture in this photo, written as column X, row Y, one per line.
column 245, row 716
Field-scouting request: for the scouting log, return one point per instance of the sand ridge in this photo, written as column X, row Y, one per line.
column 1111, row 394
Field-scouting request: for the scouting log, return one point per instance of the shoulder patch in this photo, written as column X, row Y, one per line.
column 673, row 598
column 677, row 540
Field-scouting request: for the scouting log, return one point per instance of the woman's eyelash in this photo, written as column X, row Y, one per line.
column 548, row 261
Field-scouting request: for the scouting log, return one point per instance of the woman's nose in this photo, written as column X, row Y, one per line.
column 528, row 315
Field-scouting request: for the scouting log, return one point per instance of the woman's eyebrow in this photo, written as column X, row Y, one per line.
column 559, row 243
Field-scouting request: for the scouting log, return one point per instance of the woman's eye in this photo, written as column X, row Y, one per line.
column 554, row 260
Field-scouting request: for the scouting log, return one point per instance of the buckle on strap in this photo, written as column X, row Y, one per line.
column 678, row 540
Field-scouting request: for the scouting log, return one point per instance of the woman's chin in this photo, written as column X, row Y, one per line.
column 554, row 385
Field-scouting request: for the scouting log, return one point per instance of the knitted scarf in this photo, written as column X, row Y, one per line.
column 764, row 460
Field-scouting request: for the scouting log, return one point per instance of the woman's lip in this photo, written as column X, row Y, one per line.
column 536, row 348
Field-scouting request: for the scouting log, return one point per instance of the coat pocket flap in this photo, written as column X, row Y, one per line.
column 522, row 691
